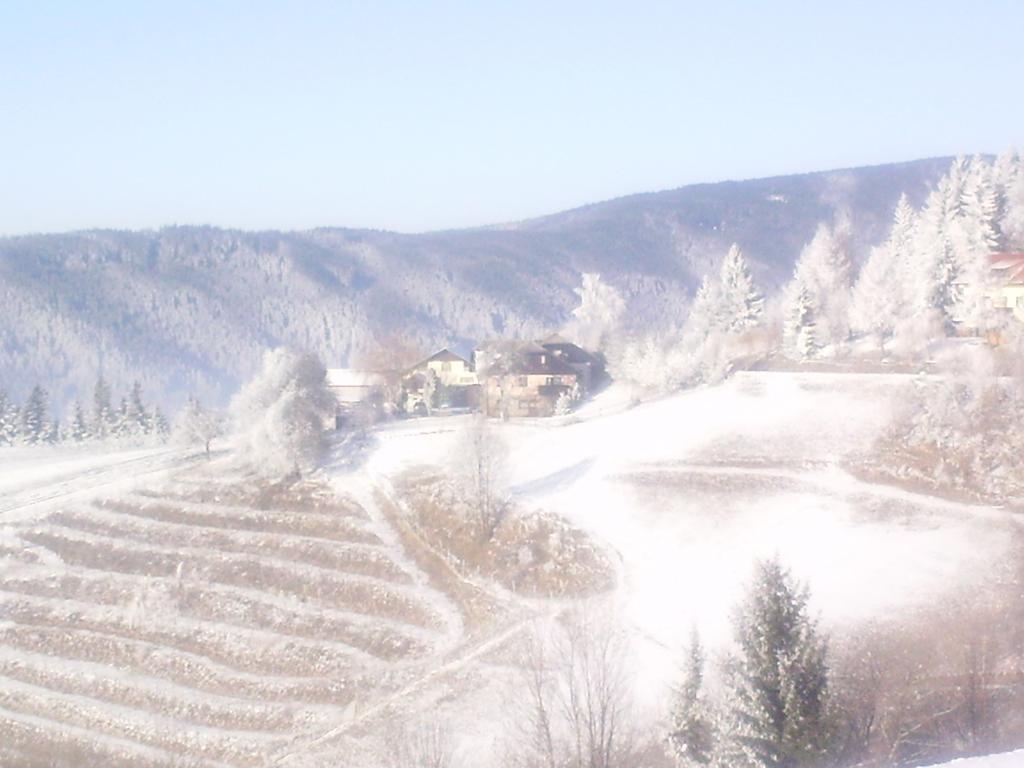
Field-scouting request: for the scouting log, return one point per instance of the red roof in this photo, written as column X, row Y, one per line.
column 1009, row 267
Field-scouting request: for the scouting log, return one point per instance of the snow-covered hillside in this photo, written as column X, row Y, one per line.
column 158, row 609
column 690, row 490
column 1005, row 760
column 191, row 309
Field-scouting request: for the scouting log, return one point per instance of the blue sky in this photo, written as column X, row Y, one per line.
column 427, row 115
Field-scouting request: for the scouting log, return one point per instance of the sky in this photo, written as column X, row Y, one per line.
column 418, row 116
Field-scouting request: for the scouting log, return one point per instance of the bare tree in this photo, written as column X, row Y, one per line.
column 425, row 743
column 484, row 476
column 576, row 709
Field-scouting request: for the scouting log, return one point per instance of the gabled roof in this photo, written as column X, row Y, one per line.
column 444, row 356
column 1008, row 267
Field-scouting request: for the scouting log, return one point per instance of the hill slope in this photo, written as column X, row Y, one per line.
column 191, row 308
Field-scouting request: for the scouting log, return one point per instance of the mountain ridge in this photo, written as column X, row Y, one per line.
column 190, row 307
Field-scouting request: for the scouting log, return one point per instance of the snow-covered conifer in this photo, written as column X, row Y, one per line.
column 34, row 426
column 692, row 735
column 79, row 429
column 824, row 269
column 8, row 420
column 136, row 416
column 800, row 330
column 598, row 314
column 741, row 303
column 102, row 413
column 778, row 678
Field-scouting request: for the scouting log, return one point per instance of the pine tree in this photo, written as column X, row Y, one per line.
column 8, row 420
column 79, row 427
column 692, row 738
column 136, row 417
column 799, row 331
column 778, row 677
column 157, row 425
column 705, row 311
column 742, row 305
column 102, row 415
column 34, row 427
column 120, row 426
column 935, row 253
column 825, row 270
column 877, row 301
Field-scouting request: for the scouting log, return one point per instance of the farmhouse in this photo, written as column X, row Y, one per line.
column 527, row 378
column 444, row 379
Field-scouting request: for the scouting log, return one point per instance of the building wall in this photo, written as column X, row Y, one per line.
column 1011, row 297
column 524, row 395
column 453, row 373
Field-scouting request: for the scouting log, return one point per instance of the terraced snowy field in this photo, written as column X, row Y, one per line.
column 202, row 623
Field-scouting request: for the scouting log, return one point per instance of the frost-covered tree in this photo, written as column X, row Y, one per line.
column 79, row 429
column 157, row 424
column 741, row 304
column 195, row 425
column 705, row 314
column 568, row 399
column 483, row 474
column 824, row 269
column 877, row 304
column 692, row 735
column 136, row 416
column 799, row 329
column 102, row 413
column 597, row 317
column 777, row 679
column 1009, row 180
column 278, row 417
column 883, row 295
column 8, row 420
column 34, row 427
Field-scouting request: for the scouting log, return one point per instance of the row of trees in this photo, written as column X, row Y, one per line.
column 929, row 277
column 131, row 420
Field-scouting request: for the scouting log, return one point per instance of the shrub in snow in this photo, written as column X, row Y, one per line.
column 197, row 425
column 954, row 433
column 278, row 417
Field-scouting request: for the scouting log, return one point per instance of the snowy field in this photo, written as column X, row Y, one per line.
column 153, row 608
column 690, row 490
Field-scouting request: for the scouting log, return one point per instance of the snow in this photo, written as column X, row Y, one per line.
column 1004, row 760
column 689, row 490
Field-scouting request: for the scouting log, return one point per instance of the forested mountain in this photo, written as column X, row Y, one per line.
column 191, row 308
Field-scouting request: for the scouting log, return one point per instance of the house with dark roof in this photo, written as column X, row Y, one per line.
column 526, row 378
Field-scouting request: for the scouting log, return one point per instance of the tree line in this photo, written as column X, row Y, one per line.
column 128, row 420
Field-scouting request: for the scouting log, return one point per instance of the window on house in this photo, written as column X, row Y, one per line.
column 551, row 381
column 522, row 381
column 446, row 367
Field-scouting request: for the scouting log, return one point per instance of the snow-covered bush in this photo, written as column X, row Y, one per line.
column 954, row 432
column 278, row 417
column 197, row 425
